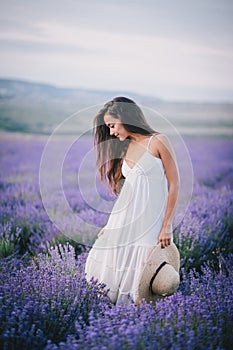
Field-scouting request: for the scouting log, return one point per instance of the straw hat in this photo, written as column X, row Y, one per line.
column 160, row 274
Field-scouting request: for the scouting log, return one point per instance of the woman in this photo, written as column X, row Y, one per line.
column 140, row 167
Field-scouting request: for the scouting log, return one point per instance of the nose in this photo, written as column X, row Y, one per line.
column 111, row 132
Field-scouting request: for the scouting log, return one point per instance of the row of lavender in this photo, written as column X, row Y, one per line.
column 48, row 304
column 45, row 301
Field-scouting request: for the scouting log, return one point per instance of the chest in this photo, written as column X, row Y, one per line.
column 135, row 152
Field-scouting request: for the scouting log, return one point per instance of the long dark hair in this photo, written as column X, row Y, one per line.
column 110, row 150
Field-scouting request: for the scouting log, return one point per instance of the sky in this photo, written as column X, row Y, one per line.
column 171, row 49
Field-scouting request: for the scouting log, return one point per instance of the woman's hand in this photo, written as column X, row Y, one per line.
column 101, row 232
column 165, row 237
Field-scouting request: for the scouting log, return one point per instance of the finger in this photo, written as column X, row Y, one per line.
column 165, row 242
column 160, row 240
column 162, row 244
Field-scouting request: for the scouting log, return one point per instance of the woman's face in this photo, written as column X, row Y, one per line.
column 116, row 128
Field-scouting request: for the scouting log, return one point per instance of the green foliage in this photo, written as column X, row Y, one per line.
column 6, row 247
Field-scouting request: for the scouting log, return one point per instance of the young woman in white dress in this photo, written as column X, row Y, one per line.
column 139, row 165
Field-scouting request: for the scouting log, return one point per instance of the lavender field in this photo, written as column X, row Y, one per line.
column 45, row 300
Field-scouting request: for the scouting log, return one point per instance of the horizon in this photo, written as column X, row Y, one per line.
column 40, row 107
column 102, row 90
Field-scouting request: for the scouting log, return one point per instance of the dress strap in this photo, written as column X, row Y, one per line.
column 148, row 145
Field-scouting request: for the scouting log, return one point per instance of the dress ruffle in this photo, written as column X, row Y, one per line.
column 119, row 269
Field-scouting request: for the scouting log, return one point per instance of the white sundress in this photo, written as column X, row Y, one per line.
column 133, row 227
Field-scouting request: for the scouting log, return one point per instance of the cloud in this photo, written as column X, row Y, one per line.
column 176, row 51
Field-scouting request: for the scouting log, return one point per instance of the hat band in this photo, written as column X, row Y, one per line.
column 155, row 274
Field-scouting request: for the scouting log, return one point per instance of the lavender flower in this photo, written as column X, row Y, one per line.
column 45, row 301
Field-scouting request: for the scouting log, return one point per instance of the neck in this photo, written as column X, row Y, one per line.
column 138, row 137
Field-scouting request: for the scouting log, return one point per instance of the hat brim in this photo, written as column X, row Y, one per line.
column 158, row 255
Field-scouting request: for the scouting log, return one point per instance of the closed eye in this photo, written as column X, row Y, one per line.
column 111, row 126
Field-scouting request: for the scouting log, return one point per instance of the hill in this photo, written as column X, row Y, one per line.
column 35, row 107
column 39, row 108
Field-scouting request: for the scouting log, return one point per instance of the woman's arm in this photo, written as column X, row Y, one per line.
column 168, row 158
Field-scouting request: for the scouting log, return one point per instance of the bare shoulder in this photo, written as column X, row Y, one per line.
column 162, row 139
column 161, row 146
column 158, row 142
